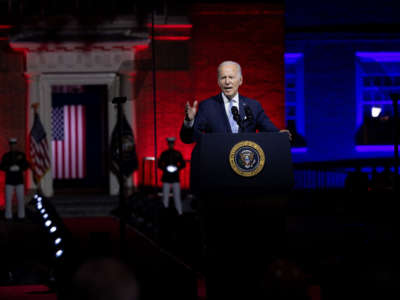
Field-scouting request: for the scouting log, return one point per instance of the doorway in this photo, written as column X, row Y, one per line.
column 79, row 119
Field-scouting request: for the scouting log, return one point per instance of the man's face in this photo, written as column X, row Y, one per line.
column 229, row 79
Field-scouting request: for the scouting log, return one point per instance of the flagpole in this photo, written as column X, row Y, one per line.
column 153, row 50
column 122, row 201
column 35, row 107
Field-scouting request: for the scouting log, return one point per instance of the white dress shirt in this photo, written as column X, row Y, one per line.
column 235, row 102
column 228, row 109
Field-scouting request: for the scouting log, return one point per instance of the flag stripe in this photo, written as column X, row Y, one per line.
column 80, row 141
column 73, row 142
column 66, row 143
column 69, row 143
column 84, row 171
column 60, row 151
column 53, row 166
column 76, row 139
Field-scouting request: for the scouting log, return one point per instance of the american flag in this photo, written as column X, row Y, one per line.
column 39, row 150
column 69, row 142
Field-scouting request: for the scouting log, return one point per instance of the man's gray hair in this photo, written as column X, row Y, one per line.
column 230, row 62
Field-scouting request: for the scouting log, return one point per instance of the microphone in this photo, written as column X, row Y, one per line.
column 236, row 116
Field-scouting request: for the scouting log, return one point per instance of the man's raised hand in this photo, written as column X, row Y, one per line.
column 190, row 111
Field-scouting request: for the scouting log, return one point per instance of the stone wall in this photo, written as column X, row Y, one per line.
column 12, row 101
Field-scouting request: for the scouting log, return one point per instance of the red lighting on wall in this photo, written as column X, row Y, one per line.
column 5, row 26
column 16, row 49
column 171, row 32
column 141, row 47
column 242, row 13
column 171, row 26
column 2, row 182
column 172, row 38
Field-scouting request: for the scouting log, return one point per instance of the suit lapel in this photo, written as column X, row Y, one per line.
column 222, row 113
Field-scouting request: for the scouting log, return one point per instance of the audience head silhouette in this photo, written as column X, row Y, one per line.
column 104, row 279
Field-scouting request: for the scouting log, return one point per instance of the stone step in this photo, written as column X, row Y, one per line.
column 84, row 205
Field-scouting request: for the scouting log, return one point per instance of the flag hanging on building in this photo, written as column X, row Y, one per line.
column 69, row 142
column 39, row 150
column 129, row 157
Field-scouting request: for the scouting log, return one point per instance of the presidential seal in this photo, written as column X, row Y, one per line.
column 247, row 158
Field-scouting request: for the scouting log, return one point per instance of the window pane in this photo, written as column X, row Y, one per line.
column 291, row 97
column 290, row 68
column 378, row 96
column 387, row 81
column 379, row 81
column 367, row 81
column 291, row 111
column 367, row 96
column 291, row 83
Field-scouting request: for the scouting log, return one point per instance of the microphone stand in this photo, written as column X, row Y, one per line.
column 237, row 118
column 241, row 127
column 239, row 122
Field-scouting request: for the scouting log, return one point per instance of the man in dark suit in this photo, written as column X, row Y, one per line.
column 227, row 112
column 230, row 113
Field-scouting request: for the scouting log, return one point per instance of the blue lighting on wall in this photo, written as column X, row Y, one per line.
column 299, row 150
column 379, row 56
column 292, row 57
column 375, row 148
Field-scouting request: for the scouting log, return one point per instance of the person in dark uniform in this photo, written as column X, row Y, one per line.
column 14, row 163
column 171, row 162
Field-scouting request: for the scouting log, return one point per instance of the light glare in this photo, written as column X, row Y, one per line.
column 376, row 111
column 59, row 253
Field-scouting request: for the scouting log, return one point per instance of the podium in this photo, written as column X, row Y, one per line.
column 241, row 182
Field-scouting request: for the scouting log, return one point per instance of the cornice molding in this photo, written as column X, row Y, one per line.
column 78, row 57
